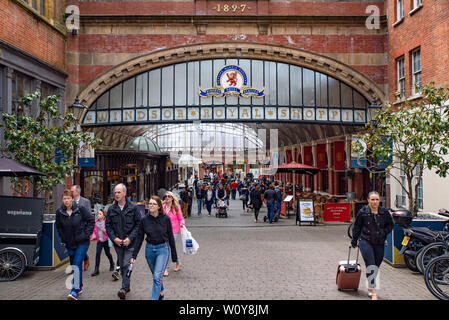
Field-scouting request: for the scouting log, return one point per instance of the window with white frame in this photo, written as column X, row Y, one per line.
column 420, row 194
column 400, row 70
column 417, row 3
column 399, row 9
column 416, row 71
column 401, row 199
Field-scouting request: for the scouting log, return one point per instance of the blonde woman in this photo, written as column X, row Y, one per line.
column 172, row 209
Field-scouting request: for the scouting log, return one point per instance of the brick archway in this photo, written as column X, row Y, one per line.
column 303, row 58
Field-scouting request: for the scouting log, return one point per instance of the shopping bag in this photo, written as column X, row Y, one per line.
column 189, row 244
column 110, row 244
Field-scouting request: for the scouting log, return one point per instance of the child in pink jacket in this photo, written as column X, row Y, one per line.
column 101, row 237
column 172, row 208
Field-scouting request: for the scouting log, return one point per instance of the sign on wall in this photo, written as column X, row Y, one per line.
column 232, row 80
column 231, row 90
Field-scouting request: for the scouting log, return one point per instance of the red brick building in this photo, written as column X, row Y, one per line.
column 418, row 45
column 32, row 54
column 121, row 40
column 418, row 53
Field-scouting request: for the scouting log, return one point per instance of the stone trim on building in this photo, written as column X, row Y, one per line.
column 157, row 59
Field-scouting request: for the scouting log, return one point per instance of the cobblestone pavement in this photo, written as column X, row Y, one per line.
column 238, row 259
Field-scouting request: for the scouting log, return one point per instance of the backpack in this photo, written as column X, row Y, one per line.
column 278, row 194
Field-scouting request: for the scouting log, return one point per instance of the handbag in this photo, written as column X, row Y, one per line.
column 243, row 197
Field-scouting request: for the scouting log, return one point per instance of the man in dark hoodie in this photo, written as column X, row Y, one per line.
column 75, row 225
column 122, row 225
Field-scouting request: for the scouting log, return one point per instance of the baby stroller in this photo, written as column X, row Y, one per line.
column 222, row 209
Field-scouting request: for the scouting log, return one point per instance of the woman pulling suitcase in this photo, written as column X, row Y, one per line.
column 372, row 225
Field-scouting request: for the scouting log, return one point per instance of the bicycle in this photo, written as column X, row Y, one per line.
column 436, row 275
column 430, row 251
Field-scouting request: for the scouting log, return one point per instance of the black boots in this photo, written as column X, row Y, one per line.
column 96, row 272
column 112, row 267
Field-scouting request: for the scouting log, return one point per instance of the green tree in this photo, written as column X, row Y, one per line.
column 415, row 136
column 32, row 141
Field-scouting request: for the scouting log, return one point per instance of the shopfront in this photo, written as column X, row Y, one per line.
column 142, row 173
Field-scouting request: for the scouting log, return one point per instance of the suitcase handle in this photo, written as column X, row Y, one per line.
column 349, row 254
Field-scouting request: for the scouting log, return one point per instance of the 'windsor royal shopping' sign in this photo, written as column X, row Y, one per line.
column 230, row 81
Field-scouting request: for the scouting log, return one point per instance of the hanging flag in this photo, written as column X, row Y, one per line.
column 308, row 160
column 288, row 155
column 321, row 162
column 339, row 155
column 358, row 153
column 86, row 154
column 298, row 155
column 383, row 163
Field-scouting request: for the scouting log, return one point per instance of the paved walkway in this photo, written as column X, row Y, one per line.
column 237, row 259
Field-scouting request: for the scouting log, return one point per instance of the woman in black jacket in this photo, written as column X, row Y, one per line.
column 372, row 225
column 160, row 241
column 256, row 202
column 75, row 226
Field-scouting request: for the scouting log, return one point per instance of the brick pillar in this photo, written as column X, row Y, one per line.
column 331, row 166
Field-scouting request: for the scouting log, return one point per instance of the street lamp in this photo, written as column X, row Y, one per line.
column 373, row 109
column 77, row 109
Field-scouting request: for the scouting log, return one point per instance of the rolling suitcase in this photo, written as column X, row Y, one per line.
column 348, row 273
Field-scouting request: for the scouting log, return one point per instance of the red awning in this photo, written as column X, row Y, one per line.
column 292, row 167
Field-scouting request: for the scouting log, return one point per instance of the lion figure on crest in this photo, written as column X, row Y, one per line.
column 232, row 78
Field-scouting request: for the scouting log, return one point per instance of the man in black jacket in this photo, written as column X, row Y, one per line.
column 270, row 198
column 122, row 225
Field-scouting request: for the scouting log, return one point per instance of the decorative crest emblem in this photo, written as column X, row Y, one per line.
column 231, row 80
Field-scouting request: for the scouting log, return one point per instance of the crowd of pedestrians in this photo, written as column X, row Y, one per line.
column 121, row 226
column 254, row 193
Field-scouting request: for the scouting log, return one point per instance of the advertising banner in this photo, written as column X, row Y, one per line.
column 21, row 215
column 337, row 212
column 358, row 153
column 87, row 154
column 306, row 213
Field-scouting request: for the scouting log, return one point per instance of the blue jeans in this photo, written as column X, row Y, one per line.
column 76, row 259
column 233, row 193
column 373, row 256
column 209, row 206
column 200, row 203
column 270, row 207
column 279, row 206
column 124, row 255
column 157, row 257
